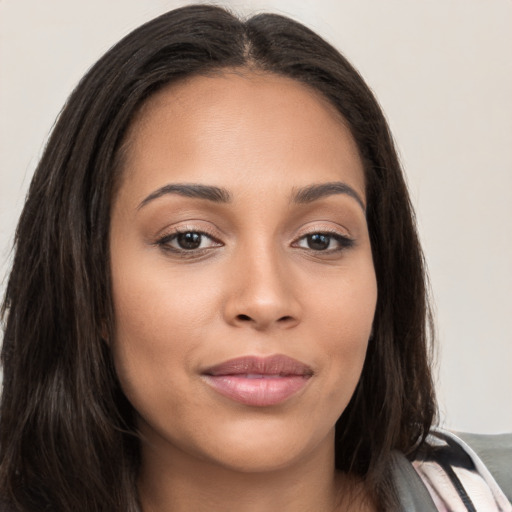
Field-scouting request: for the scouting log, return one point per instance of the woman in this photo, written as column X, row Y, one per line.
column 217, row 299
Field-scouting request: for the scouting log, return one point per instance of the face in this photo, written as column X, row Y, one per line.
column 243, row 283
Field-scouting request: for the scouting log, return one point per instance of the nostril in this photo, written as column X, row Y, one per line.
column 261, row 322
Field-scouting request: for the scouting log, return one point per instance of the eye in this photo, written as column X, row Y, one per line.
column 188, row 241
column 328, row 242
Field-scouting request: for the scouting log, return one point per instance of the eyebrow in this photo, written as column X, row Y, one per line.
column 208, row 192
column 318, row 191
column 303, row 195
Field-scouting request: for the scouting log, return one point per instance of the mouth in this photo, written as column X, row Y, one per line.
column 259, row 381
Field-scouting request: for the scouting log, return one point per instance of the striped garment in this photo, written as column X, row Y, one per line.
column 456, row 478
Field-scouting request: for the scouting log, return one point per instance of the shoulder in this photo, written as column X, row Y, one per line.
column 469, row 470
column 496, row 453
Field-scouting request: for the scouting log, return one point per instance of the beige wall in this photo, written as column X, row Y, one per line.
column 442, row 70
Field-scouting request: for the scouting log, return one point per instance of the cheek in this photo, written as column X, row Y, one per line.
column 346, row 304
column 159, row 324
column 154, row 304
column 345, row 319
column 166, row 320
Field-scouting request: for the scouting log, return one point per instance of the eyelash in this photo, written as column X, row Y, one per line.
column 344, row 242
column 165, row 241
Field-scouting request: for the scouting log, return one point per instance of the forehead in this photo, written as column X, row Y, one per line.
column 240, row 124
column 243, row 87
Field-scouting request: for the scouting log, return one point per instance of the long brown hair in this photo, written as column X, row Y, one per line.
column 67, row 433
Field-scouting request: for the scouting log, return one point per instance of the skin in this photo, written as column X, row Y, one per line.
column 254, row 287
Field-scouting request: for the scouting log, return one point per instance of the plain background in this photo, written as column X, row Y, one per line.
column 441, row 69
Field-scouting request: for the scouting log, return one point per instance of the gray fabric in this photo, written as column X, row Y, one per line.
column 412, row 493
column 496, row 453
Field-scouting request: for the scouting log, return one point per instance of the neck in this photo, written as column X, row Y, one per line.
column 171, row 480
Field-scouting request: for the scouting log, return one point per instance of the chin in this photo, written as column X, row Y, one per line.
column 266, row 446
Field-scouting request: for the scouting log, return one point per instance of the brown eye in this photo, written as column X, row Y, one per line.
column 318, row 241
column 328, row 242
column 189, row 241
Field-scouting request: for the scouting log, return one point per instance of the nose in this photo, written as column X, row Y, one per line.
column 263, row 293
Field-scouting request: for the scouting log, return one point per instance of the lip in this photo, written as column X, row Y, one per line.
column 258, row 381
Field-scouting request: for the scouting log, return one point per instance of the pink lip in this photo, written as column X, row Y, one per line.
column 258, row 381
